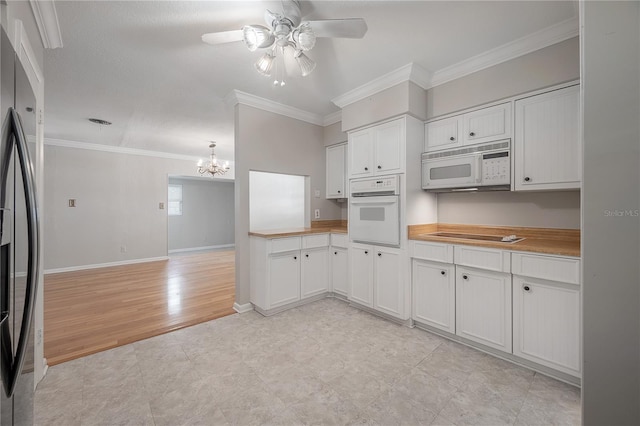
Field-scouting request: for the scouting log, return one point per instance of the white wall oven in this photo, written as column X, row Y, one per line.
column 482, row 167
column 374, row 210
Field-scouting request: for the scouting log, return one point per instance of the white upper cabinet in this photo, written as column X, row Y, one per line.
column 547, row 147
column 483, row 125
column 336, row 171
column 377, row 150
column 487, row 124
column 442, row 134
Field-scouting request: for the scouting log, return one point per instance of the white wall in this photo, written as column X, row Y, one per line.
column 404, row 98
column 117, row 204
column 552, row 65
column 270, row 142
column 538, row 210
column 207, row 219
column 611, row 243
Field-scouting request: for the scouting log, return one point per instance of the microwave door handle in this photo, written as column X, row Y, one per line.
column 479, row 170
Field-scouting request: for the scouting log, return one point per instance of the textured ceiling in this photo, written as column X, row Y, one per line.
column 142, row 65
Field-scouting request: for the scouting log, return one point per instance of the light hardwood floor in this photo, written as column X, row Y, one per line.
column 90, row 311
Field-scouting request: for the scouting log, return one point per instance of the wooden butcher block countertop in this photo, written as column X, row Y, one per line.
column 563, row 242
column 317, row 227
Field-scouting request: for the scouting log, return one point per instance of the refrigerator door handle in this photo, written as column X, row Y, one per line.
column 26, row 169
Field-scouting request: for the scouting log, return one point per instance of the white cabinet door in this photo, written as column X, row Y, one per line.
column 339, row 271
column 388, row 283
column 483, row 307
column 434, row 294
column 314, row 278
column 546, row 323
column 487, row 124
column 361, row 153
column 336, row 171
column 547, row 147
column 389, row 147
column 284, row 279
column 443, row 134
column 361, row 274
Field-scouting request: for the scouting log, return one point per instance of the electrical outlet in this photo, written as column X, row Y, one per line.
column 123, row 249
column 317, row 214
column 72, row 202
column 161, row 206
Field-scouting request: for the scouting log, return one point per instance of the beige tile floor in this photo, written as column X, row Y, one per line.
column 323, row 363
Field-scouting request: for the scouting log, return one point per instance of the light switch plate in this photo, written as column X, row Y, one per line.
column 72, row 202
column 317, row 193
column 161, row 206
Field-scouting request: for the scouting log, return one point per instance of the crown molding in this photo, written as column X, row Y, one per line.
column 540, row 39
column 237, row 97
column 117, row 149
column 410, row 72
column 46, row 17
column 333, row 118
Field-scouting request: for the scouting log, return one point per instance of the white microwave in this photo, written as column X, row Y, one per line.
column 482, row 167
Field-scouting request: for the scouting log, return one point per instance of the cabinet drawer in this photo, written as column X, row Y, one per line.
column 279, row 245
column 437, row 252
column 553, row 268
column 340, row 240
column 312, row 241
column 483, row 258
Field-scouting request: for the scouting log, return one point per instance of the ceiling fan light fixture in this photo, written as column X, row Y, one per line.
column 265, row 63
column 256, row 36
column 306, row 64
column 304, row 37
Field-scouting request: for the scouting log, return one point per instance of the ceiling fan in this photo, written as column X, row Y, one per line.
column 286, row 30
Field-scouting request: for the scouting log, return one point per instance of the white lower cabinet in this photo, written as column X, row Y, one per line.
column 483, row 307
column 314, row 274
column 284, row 279
column 287, row 270
column 546, row 317
column 376, row 279
column 388, row 291
column 434, row 294
column 339, row 271
column 361, row 275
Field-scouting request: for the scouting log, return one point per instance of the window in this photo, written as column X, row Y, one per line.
column 175, row 200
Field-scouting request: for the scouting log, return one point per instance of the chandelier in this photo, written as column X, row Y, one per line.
column 212, row 166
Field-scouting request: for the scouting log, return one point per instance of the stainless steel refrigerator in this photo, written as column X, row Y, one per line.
column 19, row 239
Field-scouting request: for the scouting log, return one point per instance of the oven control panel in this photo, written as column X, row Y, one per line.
column 496, row 168
column 375, row 185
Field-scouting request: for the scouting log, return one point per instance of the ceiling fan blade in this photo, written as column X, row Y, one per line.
column 343, row 28
column 222, row 37
column 291, row 10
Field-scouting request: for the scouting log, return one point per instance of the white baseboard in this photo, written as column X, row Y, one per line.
column 241, row 309
column 104, row 265
column 202, row 248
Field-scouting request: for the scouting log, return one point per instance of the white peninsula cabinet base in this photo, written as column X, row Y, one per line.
column 288, row 271
column 522, row 307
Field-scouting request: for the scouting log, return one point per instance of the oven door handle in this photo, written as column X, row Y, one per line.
column 375, row 201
